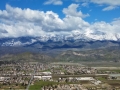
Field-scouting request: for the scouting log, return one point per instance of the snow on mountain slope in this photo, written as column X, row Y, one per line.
column 88, row 36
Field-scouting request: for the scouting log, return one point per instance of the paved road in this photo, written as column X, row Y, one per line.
column 32, row 77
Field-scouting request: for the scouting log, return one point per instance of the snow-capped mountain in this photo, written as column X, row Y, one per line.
column 76, row 39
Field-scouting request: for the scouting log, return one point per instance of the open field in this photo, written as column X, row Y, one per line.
column 102, row 64
column 67, row 63
column 107, row 68
column 39, row 84
column 86, row 75
column 91, row 64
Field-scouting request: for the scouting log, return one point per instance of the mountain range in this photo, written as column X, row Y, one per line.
column 74, row 40
column 63, row 48
column 54, row 44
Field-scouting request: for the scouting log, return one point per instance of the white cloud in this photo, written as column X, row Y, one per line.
column 81, row 0
column 117, row 18
column 84, row 4
column 109, row 8
column 107, row 2
column 20, row 22
column 111, row 4
column 54, row 2
column 16, row 22
column 72, row 11
column 109, row 29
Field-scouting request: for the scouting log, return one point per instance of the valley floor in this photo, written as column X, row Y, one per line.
column 58, row 76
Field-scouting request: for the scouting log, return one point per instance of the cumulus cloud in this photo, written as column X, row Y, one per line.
column 54, row 2
column 16, row 22
column 72, row 11
column 32, row 22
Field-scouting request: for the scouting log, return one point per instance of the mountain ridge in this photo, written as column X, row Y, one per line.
column 28, row 40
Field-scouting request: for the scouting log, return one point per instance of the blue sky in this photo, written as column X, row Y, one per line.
column 59, row 16
column 95, row 10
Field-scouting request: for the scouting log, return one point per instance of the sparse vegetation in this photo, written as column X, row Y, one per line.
column 109, row 54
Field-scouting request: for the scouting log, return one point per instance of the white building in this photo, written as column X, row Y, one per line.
column 43, row 77
column 85, row 78
column 3, row 78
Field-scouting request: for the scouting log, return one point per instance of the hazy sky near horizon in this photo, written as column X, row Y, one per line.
column 44, row 17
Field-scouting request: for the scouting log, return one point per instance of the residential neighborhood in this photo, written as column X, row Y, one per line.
column 59, row 76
